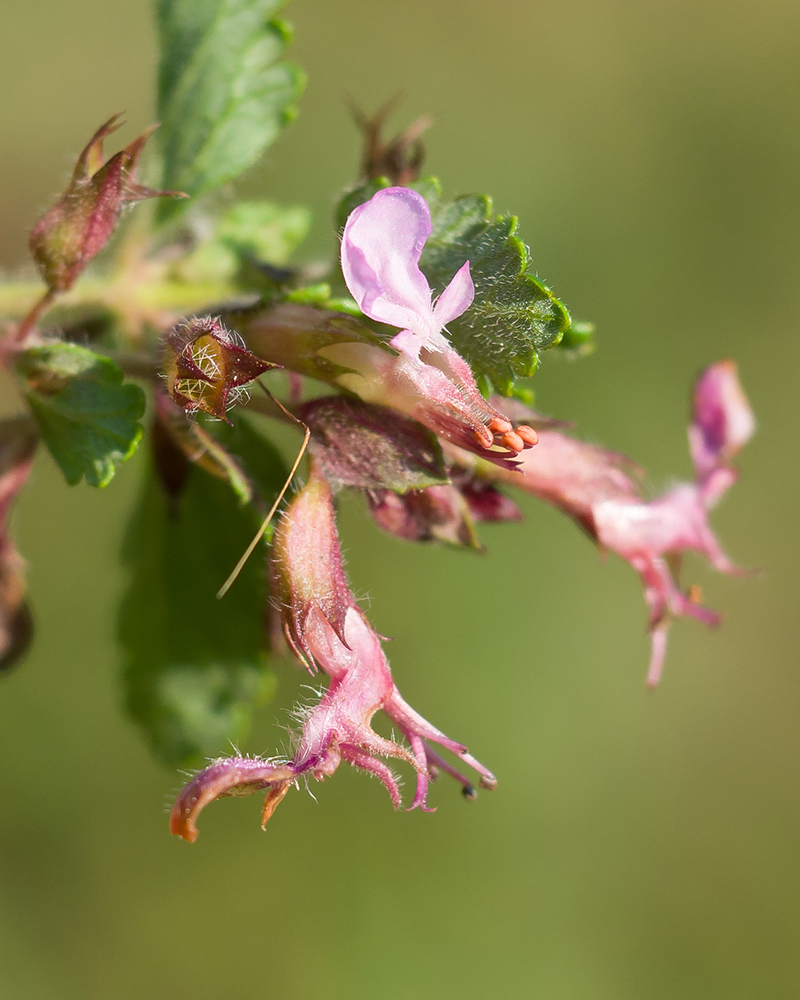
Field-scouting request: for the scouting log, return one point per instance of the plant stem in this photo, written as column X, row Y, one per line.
column 32, row 316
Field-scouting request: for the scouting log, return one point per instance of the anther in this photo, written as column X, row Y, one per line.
column 484, row 437
column 528, row 434
column 499, row 425
column 512, row 441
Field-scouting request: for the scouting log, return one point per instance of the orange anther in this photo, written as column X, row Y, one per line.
column 484, row 437
column 528, row 434
column 512, row 441
column 499, row 425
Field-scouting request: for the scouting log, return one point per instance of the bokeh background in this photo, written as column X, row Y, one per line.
column 639, row 844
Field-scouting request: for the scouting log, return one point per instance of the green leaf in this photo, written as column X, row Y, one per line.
column 88, row 419
column 264, row 230
column 514, row 316
column 195, row 666
column 578, row 341
column 223, row 93
column 251, row 230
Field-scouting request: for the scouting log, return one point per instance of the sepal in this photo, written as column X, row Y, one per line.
column 206, row 366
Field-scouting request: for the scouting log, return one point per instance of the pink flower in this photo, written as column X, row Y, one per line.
column 328, row 631
column 601, row 490
column 648, row 534
column 381, row 249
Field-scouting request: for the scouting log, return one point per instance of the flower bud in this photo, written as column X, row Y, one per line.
column 722, row 421
column 81, row 222
column 207, row 367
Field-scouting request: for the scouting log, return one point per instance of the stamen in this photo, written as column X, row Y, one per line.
column 528, row 434
column 499, row 425
column 483, row 437
column 695, row 594
column 512, row 441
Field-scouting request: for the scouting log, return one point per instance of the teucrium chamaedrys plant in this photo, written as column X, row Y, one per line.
column 403, row 372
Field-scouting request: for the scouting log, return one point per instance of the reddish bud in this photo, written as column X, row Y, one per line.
column 207, row 366
column 485, row 501
column 307, row 566
column 81, row 222
column 400, row 159
column 439, row 513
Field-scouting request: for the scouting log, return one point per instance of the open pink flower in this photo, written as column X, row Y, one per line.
column 381, row 249
column 326, row 628
column 602, row 491
column 648, row 535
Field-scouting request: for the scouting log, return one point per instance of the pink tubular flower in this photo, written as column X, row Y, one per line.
column 326, row 628
column 601, row 490
column 381, row 249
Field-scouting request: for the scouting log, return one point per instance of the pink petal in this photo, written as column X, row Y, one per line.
column 381, row 248
column 456, row 298
column 722, row 421
column 409, row 343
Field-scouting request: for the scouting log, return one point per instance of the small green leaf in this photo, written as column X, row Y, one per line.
column 578, row 341
column 223, row 93
column 88, row 419
column 258, row 231
column 514, row 316
column 264, row 230
column 195, row 666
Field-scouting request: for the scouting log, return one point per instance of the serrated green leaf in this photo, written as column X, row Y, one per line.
column 223, row 93
column 88, row 418
column 514, row 316
column 195, row 666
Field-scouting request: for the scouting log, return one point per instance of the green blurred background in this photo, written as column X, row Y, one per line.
column 639, row 845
